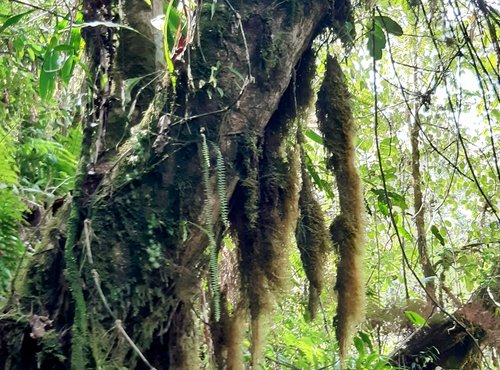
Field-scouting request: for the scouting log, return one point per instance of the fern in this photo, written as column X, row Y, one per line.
column 221, row 187
column 213, row 263
column 11, row 211
column 205, row 168
column 47, row 162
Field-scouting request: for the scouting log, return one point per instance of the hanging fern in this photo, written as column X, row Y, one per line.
column 212, row 245
column 221, row 187
column 205, row 168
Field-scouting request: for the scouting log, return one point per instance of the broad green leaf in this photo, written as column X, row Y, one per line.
column 14, row 19
column 383, row 208
column 376, row 42
column 67, row 69
column 398, row 200
column 63, row 47
column 47, row 83
column 395, row 199
column 415, row 318
column 389, row 25
column 437, row 234
column 312, row 171
column 128, row 86
column 314, row 136
column 366, row 339
column 166, row 47
column 405, row 233
column 360, row 346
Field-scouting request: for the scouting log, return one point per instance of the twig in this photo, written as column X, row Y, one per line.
column 40, row 8
column 122, row 331
column 95, row 275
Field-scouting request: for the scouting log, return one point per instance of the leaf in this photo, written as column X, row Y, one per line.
column 390, row 25
column 366, row 338
column 105, row 24
column 360, row 346
column 47, row 84
column 405, row 233
column 236, row 73
column 314, row 136
column 14, row 19
column 376, row 42
column 383, row 208
column 415, row 319
column 166, row 48
column 127, row 87
column 67, row 69
column 312, row 171
column 212, row 9
column 437, row 234
column 398, row 200
column 63, row 47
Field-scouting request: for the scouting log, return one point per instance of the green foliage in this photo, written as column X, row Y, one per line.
column 39, row 143
column 377, row 37
column 11, row 211
column 430, row 68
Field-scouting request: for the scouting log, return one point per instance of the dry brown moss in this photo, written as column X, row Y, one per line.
column 265, row 225
column 277, row 221
column 312, row 238
column 348, row 228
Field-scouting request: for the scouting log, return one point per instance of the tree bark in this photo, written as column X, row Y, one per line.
column 455, row 343
column 116, row 284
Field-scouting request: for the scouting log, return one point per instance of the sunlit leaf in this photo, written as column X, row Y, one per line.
column 314, row 136
column 389, row 25
column 415, row 319
column 376, row 42
column 14, row 19
column 437, row 234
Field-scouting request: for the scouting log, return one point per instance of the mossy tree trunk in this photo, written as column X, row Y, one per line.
column 122, row 265
column 456, row 342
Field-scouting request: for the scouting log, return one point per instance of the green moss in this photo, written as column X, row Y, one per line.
column 213, row 31
column 250, row 179
column 51, row 352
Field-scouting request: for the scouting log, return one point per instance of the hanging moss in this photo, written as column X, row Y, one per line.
column 343, row 21
column 312, row 238
column 304, row 76
column 348, row 228
column 265, row 226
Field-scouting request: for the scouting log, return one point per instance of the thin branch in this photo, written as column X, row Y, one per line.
column 40, row 8
column 119, row 326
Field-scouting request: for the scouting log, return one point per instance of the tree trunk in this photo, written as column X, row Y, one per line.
column 120, row 269
column 455, row 343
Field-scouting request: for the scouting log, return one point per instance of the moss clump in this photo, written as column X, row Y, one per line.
column 312, row 238
column 213, row 30
column 343, row 21
column 347, row 229
column 304, row 75
column 265, row 225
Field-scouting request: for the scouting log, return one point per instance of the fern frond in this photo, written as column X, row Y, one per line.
column 212, row 245
column 221, row 187
column 205, row 168
column 214, row 277
column 11, row 211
